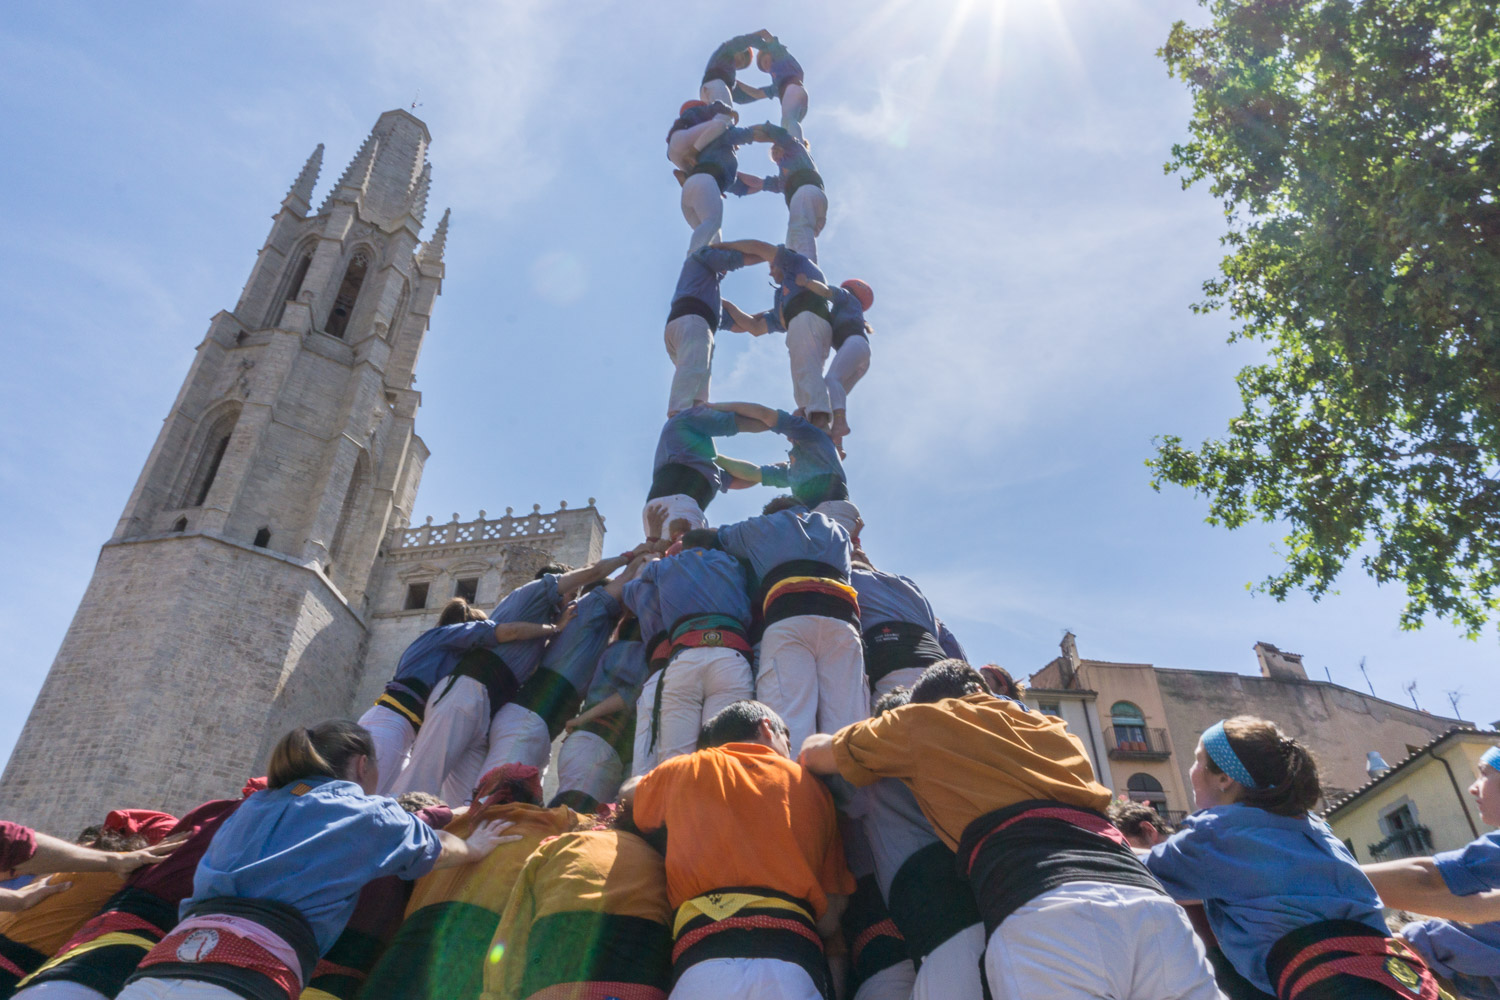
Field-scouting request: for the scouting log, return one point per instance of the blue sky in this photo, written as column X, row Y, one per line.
column 994, row 169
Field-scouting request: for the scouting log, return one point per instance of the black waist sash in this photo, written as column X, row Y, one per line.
column 1015, row 854
column 848, row 328
column 552, row 697
column 875, row 942
column 717, row 173
column 755, row 932
column 674, row 478
column 407, row 698
column 137, row 918
column 805, row 301
column 17, row 961
column 897, row 645
column 796, row 179
column 930, row 901
column 691, row 305
column 719, row 73
column 1346, row 960
column 489, row 669
column 833, row 602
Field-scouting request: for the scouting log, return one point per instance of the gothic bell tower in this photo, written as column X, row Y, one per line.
column 230, row 603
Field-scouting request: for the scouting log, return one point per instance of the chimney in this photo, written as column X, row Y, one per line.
column 1069, row 662
column 1277, row 665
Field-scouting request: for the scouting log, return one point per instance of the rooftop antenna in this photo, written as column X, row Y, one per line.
column 416, row 101
column 1411, row 689
column 1454, row 697
column 1366, row 673
column 1328, row 672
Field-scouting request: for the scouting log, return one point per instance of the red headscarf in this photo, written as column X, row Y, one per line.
column 508, row 783
column 147, row 822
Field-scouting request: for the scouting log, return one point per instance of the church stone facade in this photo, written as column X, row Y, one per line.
column 264, row 573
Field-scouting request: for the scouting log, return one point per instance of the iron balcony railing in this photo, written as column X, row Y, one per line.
column 1410, row 843
column 1137, row 741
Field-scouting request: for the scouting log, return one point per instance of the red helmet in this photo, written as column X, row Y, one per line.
column 689, row 104
column 860, row 291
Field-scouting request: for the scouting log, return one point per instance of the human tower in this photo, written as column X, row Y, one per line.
column 825, row 799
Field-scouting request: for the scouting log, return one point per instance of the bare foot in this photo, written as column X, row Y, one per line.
column 840, row 426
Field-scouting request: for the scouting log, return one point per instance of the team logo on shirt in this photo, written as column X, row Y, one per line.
column 196, row 946
column 301, row 788
column 1403, row 973
column 713, row 638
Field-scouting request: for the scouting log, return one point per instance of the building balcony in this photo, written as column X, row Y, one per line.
column 1137, row 743
column 1411, row 843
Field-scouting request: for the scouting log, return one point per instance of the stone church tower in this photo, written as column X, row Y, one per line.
column 230, row 603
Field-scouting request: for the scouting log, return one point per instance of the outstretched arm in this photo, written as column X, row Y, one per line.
column 747, row 472
column 815, row 286
column 485, row 838
column 521, row 631
column 582, row 577
column 1415, row 884
column 616, row 587
column 762, row 415
column 56, row 855
column 817, row 754
column 757, row 249
column 24, row 898
column 608, row 706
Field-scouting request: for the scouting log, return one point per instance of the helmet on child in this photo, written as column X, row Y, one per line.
column 689, row 104
column 861, row 291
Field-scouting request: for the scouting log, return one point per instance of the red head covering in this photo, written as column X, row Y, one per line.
column 254, row 785
column 147, row 822
column 508, row 783
column 689, row 104
column 862, row 291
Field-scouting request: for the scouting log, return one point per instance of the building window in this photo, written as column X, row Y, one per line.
column 1129, row 724
column 349, row 508
column 290, row 290
column 1049, row 708
column 467, row 589
column 348, row 295
column 1141, row 787
column 212, row 447
column 262, row 538
column 180, row 525
column 416, row 596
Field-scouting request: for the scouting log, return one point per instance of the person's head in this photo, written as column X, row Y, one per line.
column 784, row 502
column 688, row 106
column 337, row 748
column 947, row 679
column 742, row 59
column 1252, row 762
column 1139, row 823
column 844, row 514
column 763, row 61
column 457, row 611
column 861, row 291
column 415, row 802
column 778, row 273
column 1000, row 682
column 1486, row 788
column 508, row 783
column 894, row 698
column 551, row 569
column 747, row 722
column 102, row 838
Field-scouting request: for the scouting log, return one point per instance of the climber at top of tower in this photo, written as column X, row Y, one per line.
column 786, row 84
column 798, row 181
column 812, row 470
column 730, row 56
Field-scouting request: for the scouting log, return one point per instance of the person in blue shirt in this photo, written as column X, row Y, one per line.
column 592, row 760
column 701, row 597
column 450, row 748
column 281, row 877
column 704, row 186
column 396, row 716
column 812, row 470
column 525, row 727
column 811, row 668
column 851, row 345
column 806, row 318
column 698, row 123
column 897, row 626
column 684, row 478
column 1460, row 891
column 729, row 57
column 1283, row 895
column 798, row 181
column 696, row 312
column 786, row 83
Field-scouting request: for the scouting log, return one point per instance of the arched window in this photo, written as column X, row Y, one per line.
column 291, row 287
column 1141, row 787
column 180, row 524
column 1129, row 724
column 211, row 448
column 348, row 294
column 352, row 497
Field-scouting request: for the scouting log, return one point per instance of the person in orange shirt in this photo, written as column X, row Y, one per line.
column 1069, row 911
column 755, row 867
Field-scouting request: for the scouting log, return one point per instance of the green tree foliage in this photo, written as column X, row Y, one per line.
column 1353, row 145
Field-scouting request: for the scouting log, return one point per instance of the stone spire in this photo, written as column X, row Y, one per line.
column 302, row 187
column 357, row 173
column 417, row 203
column 432, row 250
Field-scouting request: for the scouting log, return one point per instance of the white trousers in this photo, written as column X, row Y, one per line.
column 891, row 983
column 793, row 108
column 690, row 345
column 715, row 90
column 905, row 677
column 696, row 685
column 449, row 751
column 587, row 764
column 1095, row 939
column 685, row 144
column 517, row 736
column 175, row 989
column 644, row 757
column 849, row 364
column 59, row 990
column 393, row 735
column 808, row 341
column 951, row 970
column 679, row 506
column 748, row 978
column 812, row 672
column 805, row 216
column 703, row 208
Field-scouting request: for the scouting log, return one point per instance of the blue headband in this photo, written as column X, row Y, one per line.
column 1216, row 745
column 1490, row 758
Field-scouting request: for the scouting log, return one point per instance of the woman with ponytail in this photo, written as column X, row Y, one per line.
column 281, row 876
column 1291, row 909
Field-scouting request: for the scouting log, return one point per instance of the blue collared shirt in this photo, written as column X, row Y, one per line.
column 1470, row 950
column 688, row 439
column 573, row 652
column 697, row 116
column 886, row 597
column 431, row 657
column 812, row 470
column 621, row 669
column 784, row 69
column 721, row 153
column 695, row 582
column 314, row 851
column 722, row 61
column 848, row 316
column 792, row 264
column 772, row 539
column 640, row 597
column 538, row 602
column 950, row 642
column 700, row 276
column 1260, row 877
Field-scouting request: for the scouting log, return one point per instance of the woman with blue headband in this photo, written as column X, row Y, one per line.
column 1291, row 909
column 1463, row 888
